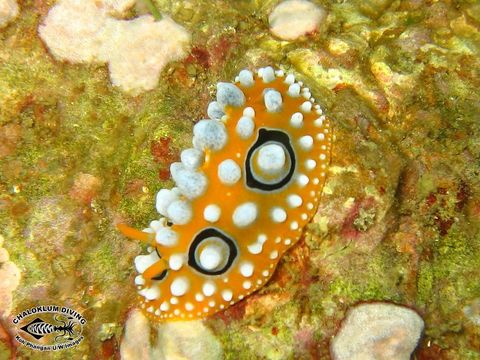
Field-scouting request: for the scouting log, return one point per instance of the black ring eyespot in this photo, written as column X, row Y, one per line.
column 266, row 137
column 213, row 238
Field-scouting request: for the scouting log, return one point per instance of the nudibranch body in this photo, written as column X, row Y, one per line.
column 243, row 194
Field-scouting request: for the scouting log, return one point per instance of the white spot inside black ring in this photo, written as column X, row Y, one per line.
column 272, row 136
column 205, row 235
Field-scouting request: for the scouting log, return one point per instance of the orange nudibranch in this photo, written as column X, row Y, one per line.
column 243, row 195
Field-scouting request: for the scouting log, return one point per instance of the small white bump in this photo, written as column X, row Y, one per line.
column 280, row 73
column 173, row 300
column 319, row 111
column 150, row 309
column 306, row 106
column 273, row 100
column 304, row 216
column 152, row 293
column 260, row 72
column 294, row 90
column 271, row 158
column 322, row 174
column 265, row 273
column 290, row 79
column 245, row 214
column 287, row 242
column 229, row 172
column 189, row 306
column 294, row 225
column 306, row 142
column 278, row 240
column 247, row 285
column 268, row 74
column 192, row 158
column 206, row 309
column 227, row 295
column 259, row 282
column 211, row 303
column 176, row 312
column 323, row 147
column 175, row 261
column 255, row 248
column 245, row 127
column 180, row 212
column 212, row 213
column 262, row 238
column 302, row 180
column 310, row 164
column 278, row 215
column 316, row 181
column 139, row 280
column 273, row 254
column 180, row 286
column 209, row 288
column 323, row 156
column 246, row 78
column 320, row 136
column 246, row 269
column 294, row 200
column 309, row 206
column 199, row 297
column 157, row 312
column 296, row 120
column 143, row 262
column 164, row 198
column 229, row 94
column 211, row 257
column 319, row 122
column 240, row 297
column 307, row 95
column 249, row 111
column 166, row 237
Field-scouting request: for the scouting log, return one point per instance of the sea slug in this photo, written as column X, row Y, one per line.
column 243, row 194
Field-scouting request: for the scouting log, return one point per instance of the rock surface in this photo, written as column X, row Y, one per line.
column 8, row 11
column 377, row 331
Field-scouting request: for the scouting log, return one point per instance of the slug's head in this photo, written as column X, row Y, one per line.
column 243, row 194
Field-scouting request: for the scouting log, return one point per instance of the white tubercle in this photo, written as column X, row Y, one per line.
column 246, row 78
column 271, row 158
column 302, row 180
column 180, row 212
column 143, row 262
column 152, row 293
column 176, row 261
column 165, row 306
column 139, row 280
column 306, row 142
column 246, row 269
column 280, row 73
column 249, row 111
column 209, row 288
column 229, row 94
column 215, row 111
column 245, row 214
column 294, row 90
column 310, row 164
column 290, row 79
column 212, row 213
column 166, row 237
column 192, row 158
column 209, row 134
column 227, row 295
column 306, row 106
column 191, row 183
column 229, row 172
column 180, row 286
column 164, row 198
column 211, row 257
column 268, row 74
column 278, row 215
column 296, row 120
column 245, row 127
column 294, row 201
column 273, row 100
column 156, row 225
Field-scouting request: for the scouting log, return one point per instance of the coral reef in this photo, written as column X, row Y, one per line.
column 399, row 216
column 380, row 331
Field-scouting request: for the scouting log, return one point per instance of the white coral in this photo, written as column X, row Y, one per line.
column 8, row 11
column 82, row 31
